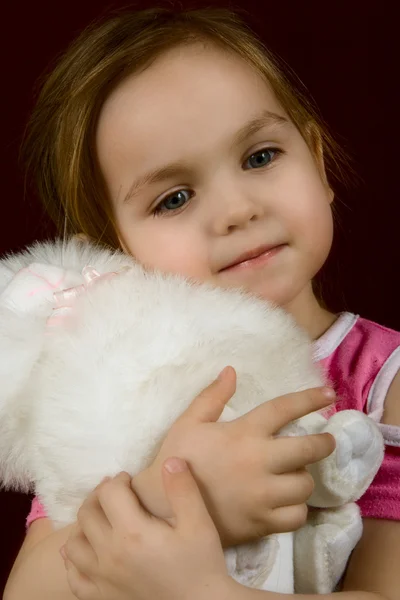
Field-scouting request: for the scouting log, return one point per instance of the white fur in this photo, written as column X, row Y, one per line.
column 96, row 394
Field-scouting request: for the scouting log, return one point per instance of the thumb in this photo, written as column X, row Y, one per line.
column 208, row 405
column 184, row 496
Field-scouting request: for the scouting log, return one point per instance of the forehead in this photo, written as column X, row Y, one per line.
column 187, row 98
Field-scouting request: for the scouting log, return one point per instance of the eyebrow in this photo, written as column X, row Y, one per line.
column 180, row 168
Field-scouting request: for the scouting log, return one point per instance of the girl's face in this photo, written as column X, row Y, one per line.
column 202, row 165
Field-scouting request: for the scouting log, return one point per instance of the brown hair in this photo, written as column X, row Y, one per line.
column 59, row 146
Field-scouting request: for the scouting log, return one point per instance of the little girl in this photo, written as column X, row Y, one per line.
column 176, row 138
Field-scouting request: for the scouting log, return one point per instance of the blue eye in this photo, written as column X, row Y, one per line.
column 178, row 199
column 174, row 201
column 262, row 158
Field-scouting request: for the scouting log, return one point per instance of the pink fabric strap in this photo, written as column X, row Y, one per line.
column 37, row 512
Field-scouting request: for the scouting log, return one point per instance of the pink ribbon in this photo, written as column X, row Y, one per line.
column 64, row 299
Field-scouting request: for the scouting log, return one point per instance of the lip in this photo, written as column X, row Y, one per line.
column 249, row 258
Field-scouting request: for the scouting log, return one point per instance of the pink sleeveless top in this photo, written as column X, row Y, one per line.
column 360, row 359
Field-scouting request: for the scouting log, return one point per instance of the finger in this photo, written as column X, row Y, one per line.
column 289, row 518
column 79, row 551
column 291, row 488
column 209, row 404
column 293, row 453
column 184, row 496
column 92, row 520
column 121, row 505
column 275, row 414
column 81, row 586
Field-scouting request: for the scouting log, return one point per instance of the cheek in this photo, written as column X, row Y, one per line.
column 308, row 209
column 156, row 245
column 317, row 229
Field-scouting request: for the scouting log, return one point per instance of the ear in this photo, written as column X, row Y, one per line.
column 316, row 145
column 82, row 237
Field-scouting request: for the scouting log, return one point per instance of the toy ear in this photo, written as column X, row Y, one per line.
column 26, row 300
column 21, row 340
column 25, row 303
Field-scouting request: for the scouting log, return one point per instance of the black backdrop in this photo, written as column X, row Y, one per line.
column 347, row 55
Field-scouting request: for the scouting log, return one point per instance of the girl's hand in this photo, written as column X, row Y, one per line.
column 253, row 483
column 118, row 551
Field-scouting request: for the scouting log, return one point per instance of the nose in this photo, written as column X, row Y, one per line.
column 235, row 208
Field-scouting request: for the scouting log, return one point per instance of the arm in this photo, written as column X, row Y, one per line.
column 38, row 572
column 194, row 566
column 140, row 567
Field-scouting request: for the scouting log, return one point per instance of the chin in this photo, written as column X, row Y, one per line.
column 269, row 293
column 282, row 294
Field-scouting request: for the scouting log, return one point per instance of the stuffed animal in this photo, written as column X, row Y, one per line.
column 100, row 356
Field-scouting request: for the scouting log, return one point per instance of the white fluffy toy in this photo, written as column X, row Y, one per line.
column 91, row 389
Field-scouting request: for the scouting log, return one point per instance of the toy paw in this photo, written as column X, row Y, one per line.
column 323, row 547
column 250, row 564
column 346, row 474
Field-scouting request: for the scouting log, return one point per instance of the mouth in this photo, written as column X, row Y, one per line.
column 257, row 256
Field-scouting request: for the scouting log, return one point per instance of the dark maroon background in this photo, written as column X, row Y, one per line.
column 347, row 56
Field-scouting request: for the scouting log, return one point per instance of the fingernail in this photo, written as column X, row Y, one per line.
column 328, row 392
column 62, row 552
column 105, row 479
column 220, row 376
column 175, row 465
